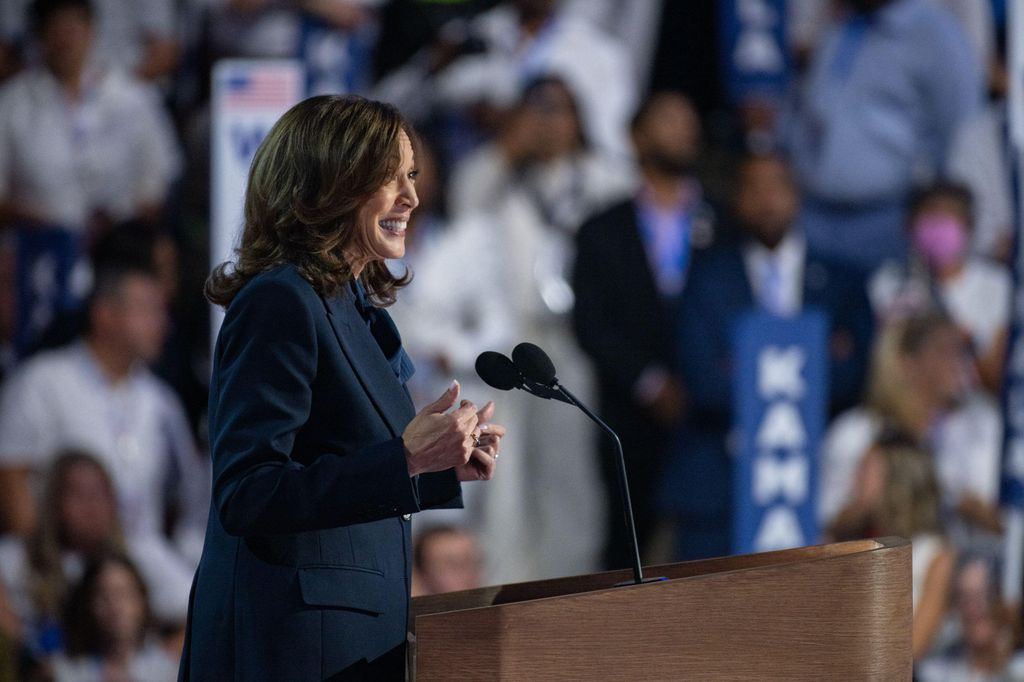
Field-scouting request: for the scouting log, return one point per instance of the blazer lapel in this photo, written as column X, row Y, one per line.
column 373, row 369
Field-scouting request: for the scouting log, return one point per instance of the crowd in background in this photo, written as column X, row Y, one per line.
column 586, row 183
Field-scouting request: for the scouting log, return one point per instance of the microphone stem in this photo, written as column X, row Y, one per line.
column 638, row 575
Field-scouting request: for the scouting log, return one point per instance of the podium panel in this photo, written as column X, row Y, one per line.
column 840, row 611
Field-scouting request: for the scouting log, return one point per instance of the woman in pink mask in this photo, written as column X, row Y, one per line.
column 942, row 272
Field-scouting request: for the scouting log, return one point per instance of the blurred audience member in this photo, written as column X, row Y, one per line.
column 980, row 158
column 985, row 652
column 943, row 272
column 81, row 144
column 917, row 388
column 513, row 239
column 775, row 269
column 109, row 629
column 544, row 151
column 139, row 36
column 896, row 493
column 334, row 39
column 631, row 266
column 481, row 67
column 634, row 25
column 79, row 524
column 884, row 94
column 445, row 559
column 97, row 394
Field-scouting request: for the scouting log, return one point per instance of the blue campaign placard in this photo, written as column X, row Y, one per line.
column 49, row 279
column 781, row 397
column 754, row 53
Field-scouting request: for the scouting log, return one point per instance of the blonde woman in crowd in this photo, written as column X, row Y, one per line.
column 918, row 388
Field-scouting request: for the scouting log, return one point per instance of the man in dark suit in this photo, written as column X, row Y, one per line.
column 630, row 269
column 770, row 267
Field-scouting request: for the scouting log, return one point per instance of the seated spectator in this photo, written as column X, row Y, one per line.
column 98, row 394
column 775, row 269
column 81, row 144
column 917, row 389
column 109, row 629
column 942, row 272
column 445, row 559
column 986, row 651
column 79, row 523
column 896, row 493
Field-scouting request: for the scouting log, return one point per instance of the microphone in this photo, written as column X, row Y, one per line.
column 499, row 372
column 535, row 366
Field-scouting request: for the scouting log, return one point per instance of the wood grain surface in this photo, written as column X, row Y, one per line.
column 834, row 612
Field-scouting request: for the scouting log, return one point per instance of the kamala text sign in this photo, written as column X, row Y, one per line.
column 781, row 395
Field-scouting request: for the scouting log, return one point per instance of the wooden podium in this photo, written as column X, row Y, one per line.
column 832, row 612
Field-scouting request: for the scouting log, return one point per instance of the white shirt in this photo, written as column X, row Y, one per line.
column 847, row 438
column 151, row 663
column 924, row 549
column 979, row 300
column 967, row 446
column 112, row 150
column 137, row 428
column 783, row 291
column 594, row 65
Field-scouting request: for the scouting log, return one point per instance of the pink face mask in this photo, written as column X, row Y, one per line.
column 940, row 239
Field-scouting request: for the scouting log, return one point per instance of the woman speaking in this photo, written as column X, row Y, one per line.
column 319, row 458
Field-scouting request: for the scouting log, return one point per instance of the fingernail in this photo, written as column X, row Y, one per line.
column 454, row 385
column 484, row 427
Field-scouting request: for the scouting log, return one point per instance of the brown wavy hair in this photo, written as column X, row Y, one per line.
column 48, row 584
column 316, row 167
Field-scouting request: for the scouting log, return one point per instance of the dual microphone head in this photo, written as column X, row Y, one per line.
column 529, row 369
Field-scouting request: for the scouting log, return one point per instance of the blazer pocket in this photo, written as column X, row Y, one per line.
column 347, row 587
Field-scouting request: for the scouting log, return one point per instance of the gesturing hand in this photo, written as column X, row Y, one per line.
column 483, row 461
column 436, row 439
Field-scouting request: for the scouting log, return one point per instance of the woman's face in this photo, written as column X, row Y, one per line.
column 118, row 605
column 88, row 515
column 385, row 215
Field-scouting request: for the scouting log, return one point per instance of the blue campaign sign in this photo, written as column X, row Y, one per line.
column 754, row 53
column 49, row 279
column 781, row 393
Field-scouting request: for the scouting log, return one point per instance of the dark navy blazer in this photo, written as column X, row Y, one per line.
column 306, row 566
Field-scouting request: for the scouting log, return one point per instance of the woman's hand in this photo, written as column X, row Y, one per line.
column 481, row 464
column 436, row 439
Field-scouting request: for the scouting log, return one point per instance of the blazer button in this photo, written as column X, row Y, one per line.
column 407, row 517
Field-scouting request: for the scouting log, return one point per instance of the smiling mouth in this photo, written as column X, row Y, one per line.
column 395, row 227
